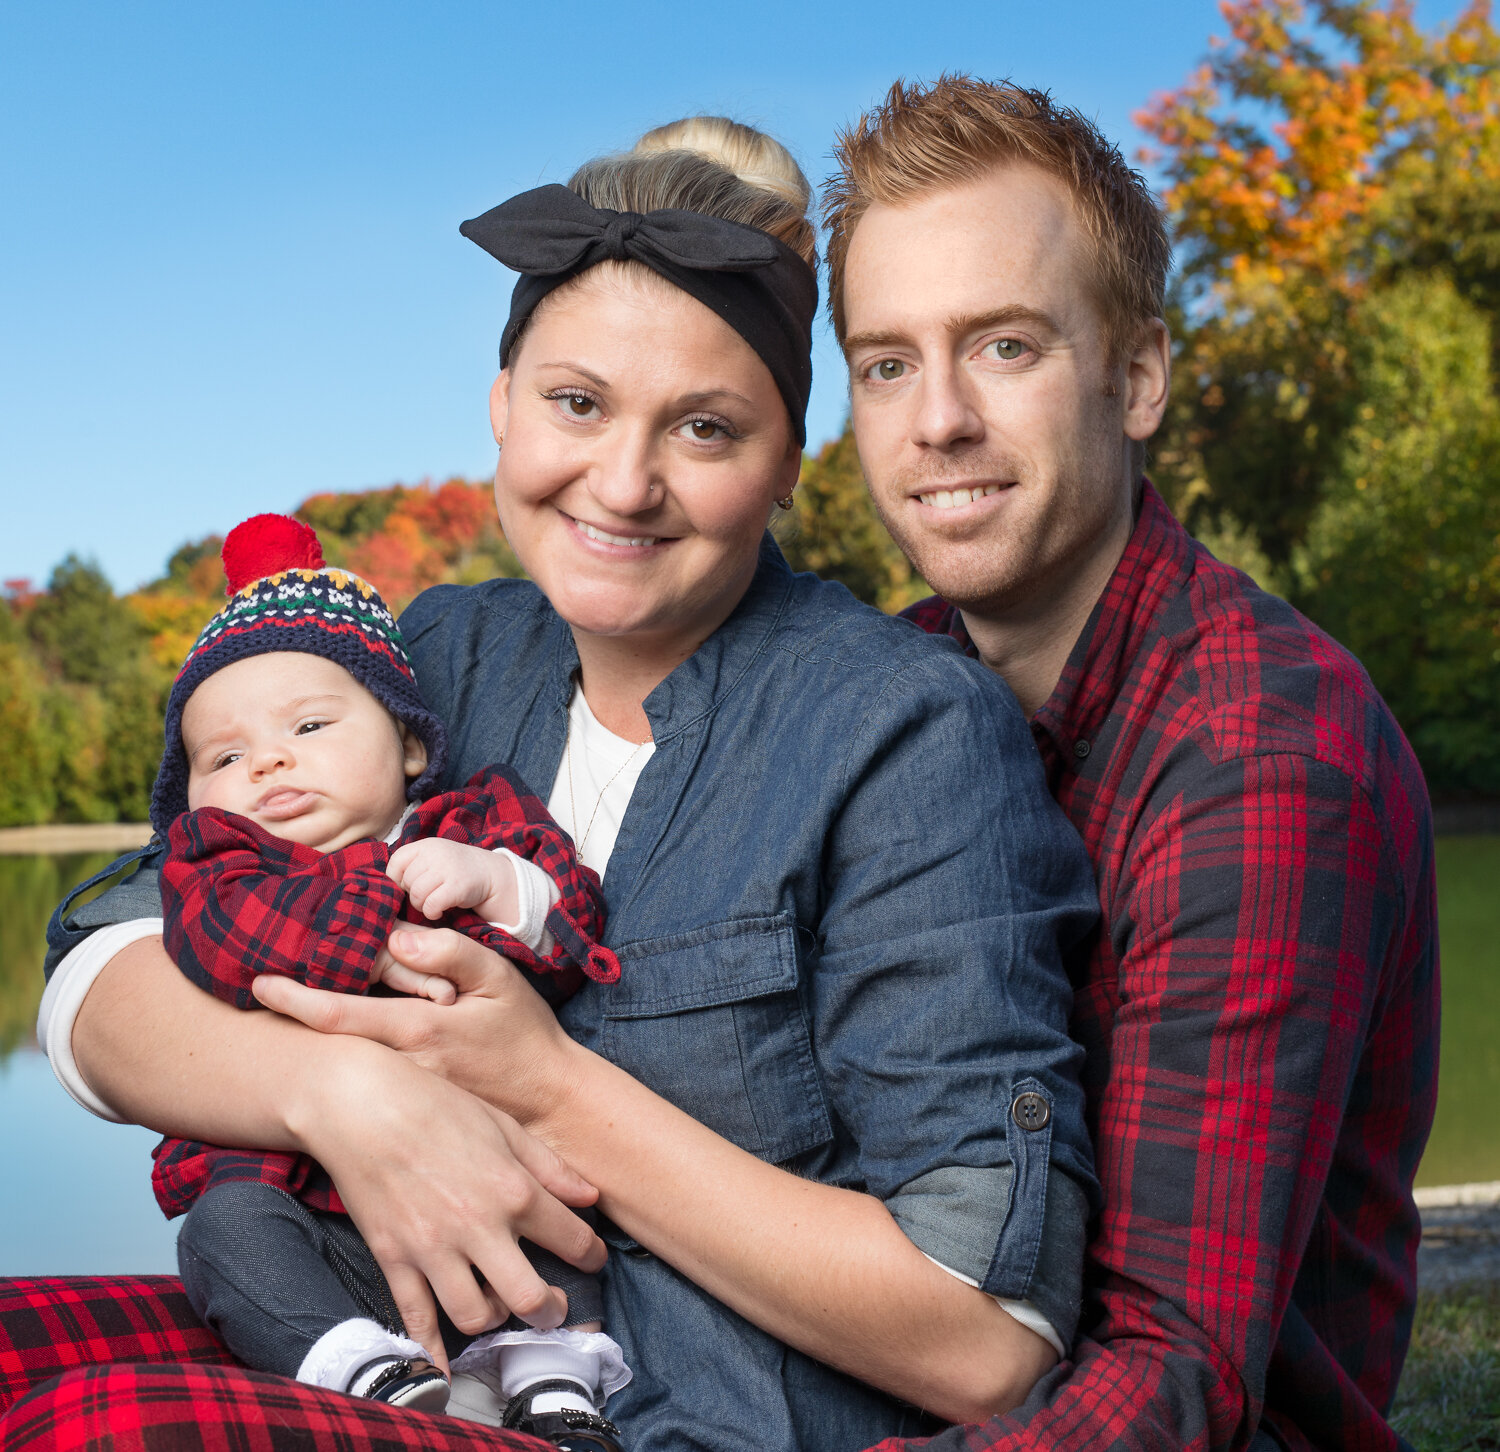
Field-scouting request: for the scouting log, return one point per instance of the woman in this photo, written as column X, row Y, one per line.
column 830, row 1108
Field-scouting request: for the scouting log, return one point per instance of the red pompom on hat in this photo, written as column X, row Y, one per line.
column 267, row 544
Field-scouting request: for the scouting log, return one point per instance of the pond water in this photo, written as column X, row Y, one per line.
column 76, row 1195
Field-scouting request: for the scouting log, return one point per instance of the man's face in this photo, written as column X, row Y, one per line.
column 993, row 429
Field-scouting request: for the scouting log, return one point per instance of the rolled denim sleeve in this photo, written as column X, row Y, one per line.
column 955, row 890
column 130, row 910
column 136, row 895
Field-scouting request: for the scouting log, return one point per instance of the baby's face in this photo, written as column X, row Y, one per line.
column 296, row 744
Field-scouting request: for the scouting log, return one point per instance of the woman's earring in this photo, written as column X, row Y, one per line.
column 784, row 503
column 499, row 441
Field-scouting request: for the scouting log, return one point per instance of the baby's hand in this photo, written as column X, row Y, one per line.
column 407, row 980
column 436, row 875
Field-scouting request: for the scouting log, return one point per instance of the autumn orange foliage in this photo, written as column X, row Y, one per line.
column 1361, row 126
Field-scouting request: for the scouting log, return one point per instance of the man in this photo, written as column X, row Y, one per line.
column 1260, row 1007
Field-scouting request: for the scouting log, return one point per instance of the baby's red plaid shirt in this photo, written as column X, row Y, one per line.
column 238, row 902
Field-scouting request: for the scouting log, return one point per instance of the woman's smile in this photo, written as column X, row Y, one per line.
column 635, row 542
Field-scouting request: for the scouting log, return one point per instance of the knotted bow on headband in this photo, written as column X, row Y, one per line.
column 758, row 285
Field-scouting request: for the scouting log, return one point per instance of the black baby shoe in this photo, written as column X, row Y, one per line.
column 567, row 1428
column 392, row 1380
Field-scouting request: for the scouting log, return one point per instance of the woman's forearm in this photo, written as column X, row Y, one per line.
column 161, row 1052
column 826, row 1270
column 434, row 1179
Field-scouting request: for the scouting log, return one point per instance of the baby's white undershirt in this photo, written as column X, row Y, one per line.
column 605, row 769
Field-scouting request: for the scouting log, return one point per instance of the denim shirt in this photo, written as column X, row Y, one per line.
column 841, row 897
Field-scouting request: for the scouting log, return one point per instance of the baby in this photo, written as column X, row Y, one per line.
column 298, row 753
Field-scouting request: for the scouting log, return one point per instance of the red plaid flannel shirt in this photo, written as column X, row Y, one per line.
column 1260, row 1012
column 238, row 902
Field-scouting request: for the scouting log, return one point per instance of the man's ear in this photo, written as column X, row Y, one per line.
column 1148, row 381
column 500, row 404
column 413, row 752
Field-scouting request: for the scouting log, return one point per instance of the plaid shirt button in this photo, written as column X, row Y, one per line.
column 1030, row 1111
column 1081, row 748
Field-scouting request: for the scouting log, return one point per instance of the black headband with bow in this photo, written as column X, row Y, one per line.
column 758, row 285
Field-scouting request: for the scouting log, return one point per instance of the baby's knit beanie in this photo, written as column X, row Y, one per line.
column 282, row 596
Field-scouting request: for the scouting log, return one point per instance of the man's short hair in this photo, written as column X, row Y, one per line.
column 926, row 138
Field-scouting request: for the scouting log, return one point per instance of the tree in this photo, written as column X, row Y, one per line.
column 1324, row 151
column 1402, row 560
column 1334, row 181
column 26, row 793
column 834, row 530
column 80, row 628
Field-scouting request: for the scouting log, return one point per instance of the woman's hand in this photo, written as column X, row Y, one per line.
column 499, row 1041
column 442, row 1186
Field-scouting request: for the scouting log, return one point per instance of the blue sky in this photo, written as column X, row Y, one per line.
column 230, row 272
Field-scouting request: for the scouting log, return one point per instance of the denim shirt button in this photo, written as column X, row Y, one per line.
column 1031, row 1111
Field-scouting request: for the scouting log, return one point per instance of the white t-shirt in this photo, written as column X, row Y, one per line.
column 595, row 783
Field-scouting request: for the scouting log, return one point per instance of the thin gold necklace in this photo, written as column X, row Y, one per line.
column 573, row 801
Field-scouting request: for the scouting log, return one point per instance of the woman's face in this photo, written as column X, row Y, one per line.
column 643, row 445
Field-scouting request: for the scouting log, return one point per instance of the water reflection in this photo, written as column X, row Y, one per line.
column 75, row 1198
column 30, row 887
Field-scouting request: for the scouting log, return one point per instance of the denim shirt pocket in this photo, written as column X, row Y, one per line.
column 1030, row 1146
column 712, row 1020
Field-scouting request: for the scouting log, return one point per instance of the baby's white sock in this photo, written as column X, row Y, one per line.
column 525, row 1363
column 503, row 1364
column 338, row 1354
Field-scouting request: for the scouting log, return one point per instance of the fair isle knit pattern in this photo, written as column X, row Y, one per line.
column 298, row 604
column 329, row 600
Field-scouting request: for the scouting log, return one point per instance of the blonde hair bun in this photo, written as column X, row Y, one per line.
column 713, row 165
column 756, row 159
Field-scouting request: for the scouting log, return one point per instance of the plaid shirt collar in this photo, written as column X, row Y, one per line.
column 1157, row 562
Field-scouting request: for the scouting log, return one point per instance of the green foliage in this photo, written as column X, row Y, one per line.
column 835, row 531
column 194, row 569
column 133, row 710
column 80, row 703
column 1402, row 556
column 1334, row 179
column 340, row 519
column 80, row 629
column 76, row 730
column 26, row 793
column 1261, row 395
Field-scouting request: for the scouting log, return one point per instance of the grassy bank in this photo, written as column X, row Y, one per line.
column 1450, row 1390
